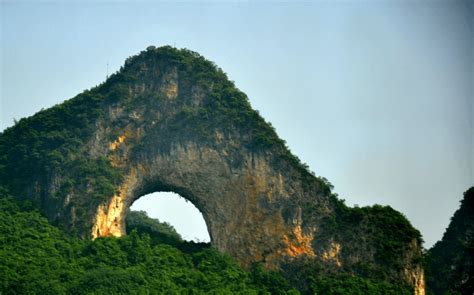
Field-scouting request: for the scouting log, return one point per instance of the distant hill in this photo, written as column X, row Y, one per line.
column 451, row 261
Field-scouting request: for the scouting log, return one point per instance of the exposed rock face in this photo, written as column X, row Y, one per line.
column 171, row 121
column 242, row 205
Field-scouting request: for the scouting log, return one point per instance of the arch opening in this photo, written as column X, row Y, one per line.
column 172, row 209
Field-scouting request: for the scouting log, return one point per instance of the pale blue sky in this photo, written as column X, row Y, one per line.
column 374, row 95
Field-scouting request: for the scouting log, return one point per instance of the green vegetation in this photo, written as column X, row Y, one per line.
column 45, row 142
column 54, row 143
column 161, row 231
column 346, row 284
column 450, row 262
column 391, row 232
column 37, row 258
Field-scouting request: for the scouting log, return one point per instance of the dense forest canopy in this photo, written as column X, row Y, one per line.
column 37, row 258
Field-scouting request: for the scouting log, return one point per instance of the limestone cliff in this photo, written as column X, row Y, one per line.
column 170, row 120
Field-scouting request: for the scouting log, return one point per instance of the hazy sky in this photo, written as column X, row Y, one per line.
column 377, row 96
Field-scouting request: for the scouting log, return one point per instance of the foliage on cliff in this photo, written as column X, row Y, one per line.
column 391, row 234
column 450, row 262
column 160, row 231
column 51, row 144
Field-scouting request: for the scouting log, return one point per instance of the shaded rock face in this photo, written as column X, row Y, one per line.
column 171, row 121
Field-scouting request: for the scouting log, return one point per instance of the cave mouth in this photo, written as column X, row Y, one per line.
column 173, row 209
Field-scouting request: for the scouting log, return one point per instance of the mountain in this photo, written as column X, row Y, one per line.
column 451, row 260
column 170, row 120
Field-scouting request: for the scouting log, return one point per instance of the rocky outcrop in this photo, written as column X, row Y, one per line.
column 172, row 121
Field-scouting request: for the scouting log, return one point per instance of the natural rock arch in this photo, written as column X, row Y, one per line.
column 172, row 121
column 242, row 205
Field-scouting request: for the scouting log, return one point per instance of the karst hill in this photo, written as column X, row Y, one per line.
column 451, row 260
column 170, row 120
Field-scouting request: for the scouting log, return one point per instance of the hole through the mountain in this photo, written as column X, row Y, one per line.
column 178, row 218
